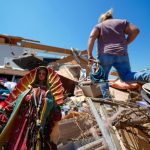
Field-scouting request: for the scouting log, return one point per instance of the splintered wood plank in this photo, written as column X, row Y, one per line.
column 119, row 95
column 70, row 130
column 133, row 142
column 46, row 48
column 9, row 71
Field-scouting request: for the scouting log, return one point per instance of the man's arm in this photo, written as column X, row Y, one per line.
column 132, row 31
column 93, row 35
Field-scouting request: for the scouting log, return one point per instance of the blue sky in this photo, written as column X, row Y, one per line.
column 67, row 23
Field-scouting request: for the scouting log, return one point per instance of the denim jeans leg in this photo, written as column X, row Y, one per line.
column 106, row 62
column 104, row 87
column 122, row 65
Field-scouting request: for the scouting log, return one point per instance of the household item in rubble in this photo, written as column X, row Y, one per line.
column 90, row 89
column 97, row 75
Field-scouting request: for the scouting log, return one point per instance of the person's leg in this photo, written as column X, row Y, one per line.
column 122, row 65
column 106, row 62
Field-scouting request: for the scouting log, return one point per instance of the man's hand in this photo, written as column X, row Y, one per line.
column 132, row 31
column 91, row 60
column 90, row 57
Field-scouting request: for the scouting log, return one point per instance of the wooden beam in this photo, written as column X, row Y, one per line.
column 46, row 48
column 49, row 48
column 84, row 52
column 10, row 71
column 62, row 61
column 14, row 39
column 84, row 64
column 71, row 60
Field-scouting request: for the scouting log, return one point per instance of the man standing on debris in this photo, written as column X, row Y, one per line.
column 113, row 37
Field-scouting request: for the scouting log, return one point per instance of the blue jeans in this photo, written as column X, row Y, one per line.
column 122, row 65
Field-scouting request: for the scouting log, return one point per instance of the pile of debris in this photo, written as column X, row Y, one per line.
column 90, row 122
